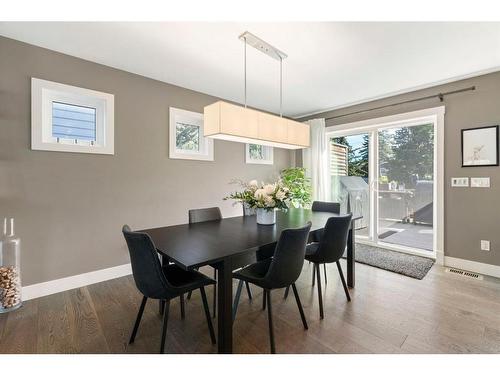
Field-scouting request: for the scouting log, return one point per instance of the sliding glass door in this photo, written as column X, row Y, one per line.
column 387, row 174
column 406, row 186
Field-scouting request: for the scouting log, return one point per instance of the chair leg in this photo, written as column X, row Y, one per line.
column 164, row 328
column 299, row 305
column 320, row 296
column 138, row 320
column 264, row 300
column 237, row 299
column 161, row 307
column 287, row 290
column 191, row 292
column 215, row 294
column 346, row 290
column 324, row 268
column 249, row 292
column 314, row 274
column 183, row 311
column 207, row 314
column 270, row 320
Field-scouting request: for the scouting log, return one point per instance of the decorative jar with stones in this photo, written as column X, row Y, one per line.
column 10, row 272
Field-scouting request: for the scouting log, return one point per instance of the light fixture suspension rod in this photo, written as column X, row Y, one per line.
column 281, row 87
column 245, row 68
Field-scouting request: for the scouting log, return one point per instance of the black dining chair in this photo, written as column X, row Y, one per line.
column 320, row 206
column 200, row 215
column 280, row 271
column 330, row 249
column 162, row 282
column 315, row 236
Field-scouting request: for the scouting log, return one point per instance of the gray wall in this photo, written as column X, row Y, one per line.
column 69, row 208
column 470, row 214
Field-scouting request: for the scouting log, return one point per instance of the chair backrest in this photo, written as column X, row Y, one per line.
column 146, row 267
column 200, row 215
column 333, row 240
column 332, row 207
column 288, row 258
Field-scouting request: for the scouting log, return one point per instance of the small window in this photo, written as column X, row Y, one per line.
column 186, row 136
column 73, row 122
column 258, row 154
column 71, row 119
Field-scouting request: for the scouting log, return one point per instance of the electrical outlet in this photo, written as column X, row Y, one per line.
column 480, row 182
column 460, row 181
column 485, row 245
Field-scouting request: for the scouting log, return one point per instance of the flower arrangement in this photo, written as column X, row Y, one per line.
column 263, row 196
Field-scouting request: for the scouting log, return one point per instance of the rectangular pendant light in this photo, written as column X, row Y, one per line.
column 234, row 123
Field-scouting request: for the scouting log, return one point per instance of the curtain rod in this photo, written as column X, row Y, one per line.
column 440, row 96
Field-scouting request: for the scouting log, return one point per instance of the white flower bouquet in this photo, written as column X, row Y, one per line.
column 264, row 196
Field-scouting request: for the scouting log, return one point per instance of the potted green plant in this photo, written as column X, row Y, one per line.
column 299, row 186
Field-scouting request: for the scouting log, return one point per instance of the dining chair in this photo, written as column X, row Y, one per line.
column 315, row 236
column 280, row 271
column 161, row 282
column 330, row 249
column 320, row 206
column 200, row 215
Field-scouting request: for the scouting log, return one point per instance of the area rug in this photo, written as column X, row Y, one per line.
column 404, row 264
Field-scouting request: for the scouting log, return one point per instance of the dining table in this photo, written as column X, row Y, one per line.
column 223, row 243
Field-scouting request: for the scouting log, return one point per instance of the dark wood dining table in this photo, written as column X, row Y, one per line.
column 220, row 243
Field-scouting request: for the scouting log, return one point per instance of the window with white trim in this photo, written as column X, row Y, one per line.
column 258, row 154
column 186, row 137
column 71, row 119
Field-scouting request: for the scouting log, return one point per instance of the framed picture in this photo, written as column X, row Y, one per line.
column 480, row 146
column 186, row 140
column 258, row 154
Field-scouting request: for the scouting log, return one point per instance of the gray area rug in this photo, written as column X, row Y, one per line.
column 404, row 264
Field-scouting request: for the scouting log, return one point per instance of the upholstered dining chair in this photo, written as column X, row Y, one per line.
column 279, row 271
column 161, row 282
column 319, row 206
column 329, row 249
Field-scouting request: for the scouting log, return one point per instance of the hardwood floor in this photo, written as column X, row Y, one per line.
column 389, row 313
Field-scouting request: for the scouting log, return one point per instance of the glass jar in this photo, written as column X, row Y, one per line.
column 10, row 271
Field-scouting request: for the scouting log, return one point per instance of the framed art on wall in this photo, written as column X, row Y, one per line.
column 258, row 154
column 480, row 146
column 186, row 138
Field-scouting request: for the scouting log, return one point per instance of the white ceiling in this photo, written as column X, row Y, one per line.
column 330, row 65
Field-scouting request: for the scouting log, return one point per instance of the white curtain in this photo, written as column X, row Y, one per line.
column 315, row 160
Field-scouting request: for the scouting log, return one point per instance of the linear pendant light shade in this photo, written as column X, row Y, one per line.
column 232, row 122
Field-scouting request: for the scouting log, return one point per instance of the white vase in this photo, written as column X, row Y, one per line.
column 266, row 217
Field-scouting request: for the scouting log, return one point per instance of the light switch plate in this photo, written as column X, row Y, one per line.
column 483, row 182
column 460, row 181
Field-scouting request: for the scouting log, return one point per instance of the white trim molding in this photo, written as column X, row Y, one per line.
column 469, row 265
column 73, row 282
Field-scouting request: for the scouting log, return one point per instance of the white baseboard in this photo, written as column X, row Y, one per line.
column 468, row 265
column 72, row 282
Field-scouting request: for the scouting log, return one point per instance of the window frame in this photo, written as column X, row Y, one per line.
column 206, row 145
column 45, row 93
column 268, row 152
